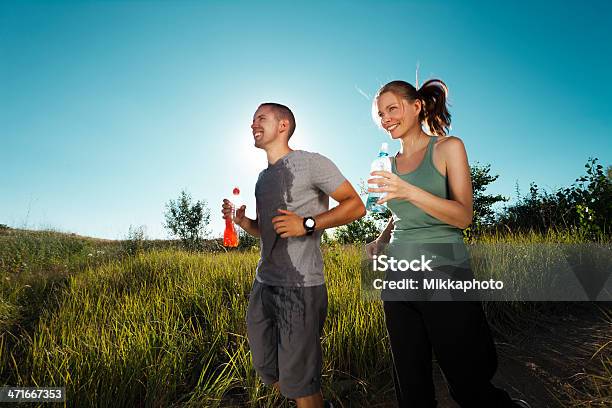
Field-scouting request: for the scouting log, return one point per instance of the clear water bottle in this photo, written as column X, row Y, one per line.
column 382, row 163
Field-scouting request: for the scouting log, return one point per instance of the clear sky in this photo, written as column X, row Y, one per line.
column 109, row 108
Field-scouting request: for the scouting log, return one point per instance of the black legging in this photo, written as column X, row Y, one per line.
column 460, row 337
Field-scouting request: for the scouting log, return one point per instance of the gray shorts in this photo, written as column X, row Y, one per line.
column 284, row 327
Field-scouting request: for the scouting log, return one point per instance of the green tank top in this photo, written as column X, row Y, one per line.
column 411, row 224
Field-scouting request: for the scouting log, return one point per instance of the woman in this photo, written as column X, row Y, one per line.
column 429, row 194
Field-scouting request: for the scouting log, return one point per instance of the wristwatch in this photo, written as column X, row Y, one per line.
column 309, row 225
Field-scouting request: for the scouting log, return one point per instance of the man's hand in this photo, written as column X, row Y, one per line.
column 289, row 224
column 239, row 216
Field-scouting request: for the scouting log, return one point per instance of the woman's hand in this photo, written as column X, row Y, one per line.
column 373, row 248
column 391, row 184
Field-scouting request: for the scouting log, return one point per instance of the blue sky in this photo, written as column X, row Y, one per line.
column 109, row 108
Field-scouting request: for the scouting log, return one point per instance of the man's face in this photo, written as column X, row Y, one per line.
column 265, row 127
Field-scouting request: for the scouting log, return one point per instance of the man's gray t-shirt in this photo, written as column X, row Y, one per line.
column 301, row 182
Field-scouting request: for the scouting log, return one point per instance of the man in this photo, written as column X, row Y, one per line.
column 288, row 302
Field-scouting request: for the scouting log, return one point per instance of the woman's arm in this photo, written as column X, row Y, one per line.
column 458, row 209
column 376, row 246
column 385, row 235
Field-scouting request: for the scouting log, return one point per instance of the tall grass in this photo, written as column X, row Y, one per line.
column 167, row 328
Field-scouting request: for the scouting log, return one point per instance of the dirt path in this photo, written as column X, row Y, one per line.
column 542, row 363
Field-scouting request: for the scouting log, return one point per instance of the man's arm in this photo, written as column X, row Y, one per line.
column 240, row 219
column 250, row 226
column 350, row 207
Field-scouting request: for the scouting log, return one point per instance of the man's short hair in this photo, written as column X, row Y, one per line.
column 282, row 112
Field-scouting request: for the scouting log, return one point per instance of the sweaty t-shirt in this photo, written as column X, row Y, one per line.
column 301, row 182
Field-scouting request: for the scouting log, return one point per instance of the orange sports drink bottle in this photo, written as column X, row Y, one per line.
column 230, row 237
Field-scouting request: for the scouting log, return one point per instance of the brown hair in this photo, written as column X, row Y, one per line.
column 282, row 112
column 432, row 94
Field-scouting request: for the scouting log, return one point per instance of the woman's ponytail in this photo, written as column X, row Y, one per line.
column 434, row 114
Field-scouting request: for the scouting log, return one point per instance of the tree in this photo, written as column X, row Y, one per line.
column 187, row 221
column 484, row 214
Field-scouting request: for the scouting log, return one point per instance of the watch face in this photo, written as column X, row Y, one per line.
column 310, row 222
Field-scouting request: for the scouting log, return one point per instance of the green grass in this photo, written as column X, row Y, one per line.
column 167, row 327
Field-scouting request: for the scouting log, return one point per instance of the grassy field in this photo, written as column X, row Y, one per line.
column 164, row 327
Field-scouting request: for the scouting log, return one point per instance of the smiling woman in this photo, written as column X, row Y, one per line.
column 429, row 194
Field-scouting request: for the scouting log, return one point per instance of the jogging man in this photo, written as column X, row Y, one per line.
column 288, row 302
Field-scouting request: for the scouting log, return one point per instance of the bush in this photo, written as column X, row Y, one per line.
column 136, row 240
column 585, row 206
column 246, row 240
column 187, row 221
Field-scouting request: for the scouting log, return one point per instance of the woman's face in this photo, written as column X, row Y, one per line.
column 397, row 115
